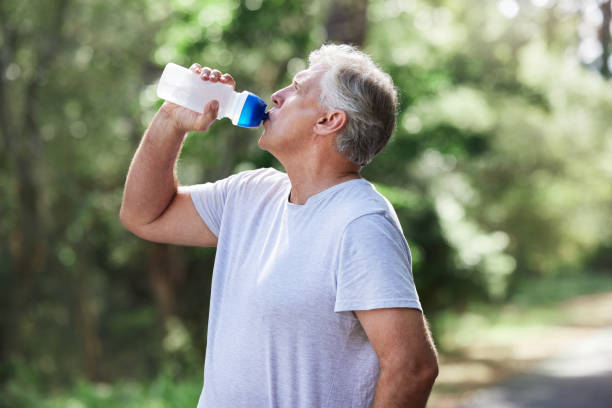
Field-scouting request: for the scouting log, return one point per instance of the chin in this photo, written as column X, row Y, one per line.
column 263, row 141
column 260, row 144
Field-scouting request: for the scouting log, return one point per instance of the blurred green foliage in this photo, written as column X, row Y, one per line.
column 499, row 169
column 163, row 392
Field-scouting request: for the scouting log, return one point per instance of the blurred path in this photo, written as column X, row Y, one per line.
column 579, row 376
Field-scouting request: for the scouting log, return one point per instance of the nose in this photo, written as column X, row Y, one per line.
column 277, row 99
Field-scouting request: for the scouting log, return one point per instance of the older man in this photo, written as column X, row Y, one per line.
column 313, row 302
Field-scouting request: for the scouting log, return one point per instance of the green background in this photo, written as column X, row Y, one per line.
column 499, row 169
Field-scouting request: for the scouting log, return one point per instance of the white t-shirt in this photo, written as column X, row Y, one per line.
column 286, row 279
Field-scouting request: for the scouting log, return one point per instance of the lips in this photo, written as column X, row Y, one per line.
column 266, row 119
column 267, row 115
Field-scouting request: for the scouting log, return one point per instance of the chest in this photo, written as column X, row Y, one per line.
column 281, row 263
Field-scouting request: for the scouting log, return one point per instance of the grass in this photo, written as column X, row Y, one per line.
column 163, row 392
column 536, row 305
column 545, row 291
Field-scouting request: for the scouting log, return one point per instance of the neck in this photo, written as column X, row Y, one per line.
column 311, row 177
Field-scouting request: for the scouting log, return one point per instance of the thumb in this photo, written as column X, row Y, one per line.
column 205, row 119
column 212, row 110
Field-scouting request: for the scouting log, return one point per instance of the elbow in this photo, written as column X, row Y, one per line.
column 128, row 215
column 429, row 373
column 429, row 370
column 421, row 374
column 127, row 220
column 424, row 377
column 123, row 217
column 130, row 225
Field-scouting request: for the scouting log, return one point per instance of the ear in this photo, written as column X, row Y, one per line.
column 331, row 122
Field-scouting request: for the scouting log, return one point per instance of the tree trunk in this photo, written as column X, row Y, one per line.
column 604, row 37
column 347, row 22
column 166, row 271
column 88, row 324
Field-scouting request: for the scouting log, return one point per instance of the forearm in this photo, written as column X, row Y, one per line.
column 151, row 181
column 401, row 389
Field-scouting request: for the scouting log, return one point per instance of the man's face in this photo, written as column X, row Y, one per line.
column 295, row 113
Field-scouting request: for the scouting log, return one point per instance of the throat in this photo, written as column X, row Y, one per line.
column 301, row 192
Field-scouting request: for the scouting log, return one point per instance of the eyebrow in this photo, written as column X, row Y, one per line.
column 297, row 84
column 296, row 77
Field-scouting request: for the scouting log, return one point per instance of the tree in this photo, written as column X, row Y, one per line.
column 71, row 75
column 604, row 37
column 498, row 168
column 347, row 22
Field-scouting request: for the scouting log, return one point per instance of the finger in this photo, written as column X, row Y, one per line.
column 228, row 79
column 210, row 114
column 195, row 67
column 215, row 75
column 205, row 73
column 214, row 108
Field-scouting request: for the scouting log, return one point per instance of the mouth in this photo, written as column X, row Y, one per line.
column 266, row 120
column 267, row 115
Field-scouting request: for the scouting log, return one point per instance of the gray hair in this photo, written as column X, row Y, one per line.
column 356, row 85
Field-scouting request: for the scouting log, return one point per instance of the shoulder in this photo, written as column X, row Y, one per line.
column 362, row 204
column 375, row 239
column 373, row 227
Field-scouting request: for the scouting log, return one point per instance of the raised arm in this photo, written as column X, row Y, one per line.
column 153, row 207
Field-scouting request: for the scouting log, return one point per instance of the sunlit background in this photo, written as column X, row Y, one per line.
column 500, row 171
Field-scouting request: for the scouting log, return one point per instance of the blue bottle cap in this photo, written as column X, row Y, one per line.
column 253, row 111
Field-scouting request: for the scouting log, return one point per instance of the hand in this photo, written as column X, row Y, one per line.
column 187, row 120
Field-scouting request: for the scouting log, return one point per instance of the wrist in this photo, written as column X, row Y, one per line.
column 166, row 117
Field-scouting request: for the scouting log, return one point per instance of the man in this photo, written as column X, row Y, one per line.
column 312, row 302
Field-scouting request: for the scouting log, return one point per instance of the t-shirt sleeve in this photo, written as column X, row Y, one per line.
column 209, row 200
column 375, row 268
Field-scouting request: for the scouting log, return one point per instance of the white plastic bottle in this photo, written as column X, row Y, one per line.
column 184, row 87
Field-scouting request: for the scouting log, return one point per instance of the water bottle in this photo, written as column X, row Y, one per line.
column 184, row 87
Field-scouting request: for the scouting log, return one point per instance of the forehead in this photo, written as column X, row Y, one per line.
column 314, row 72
